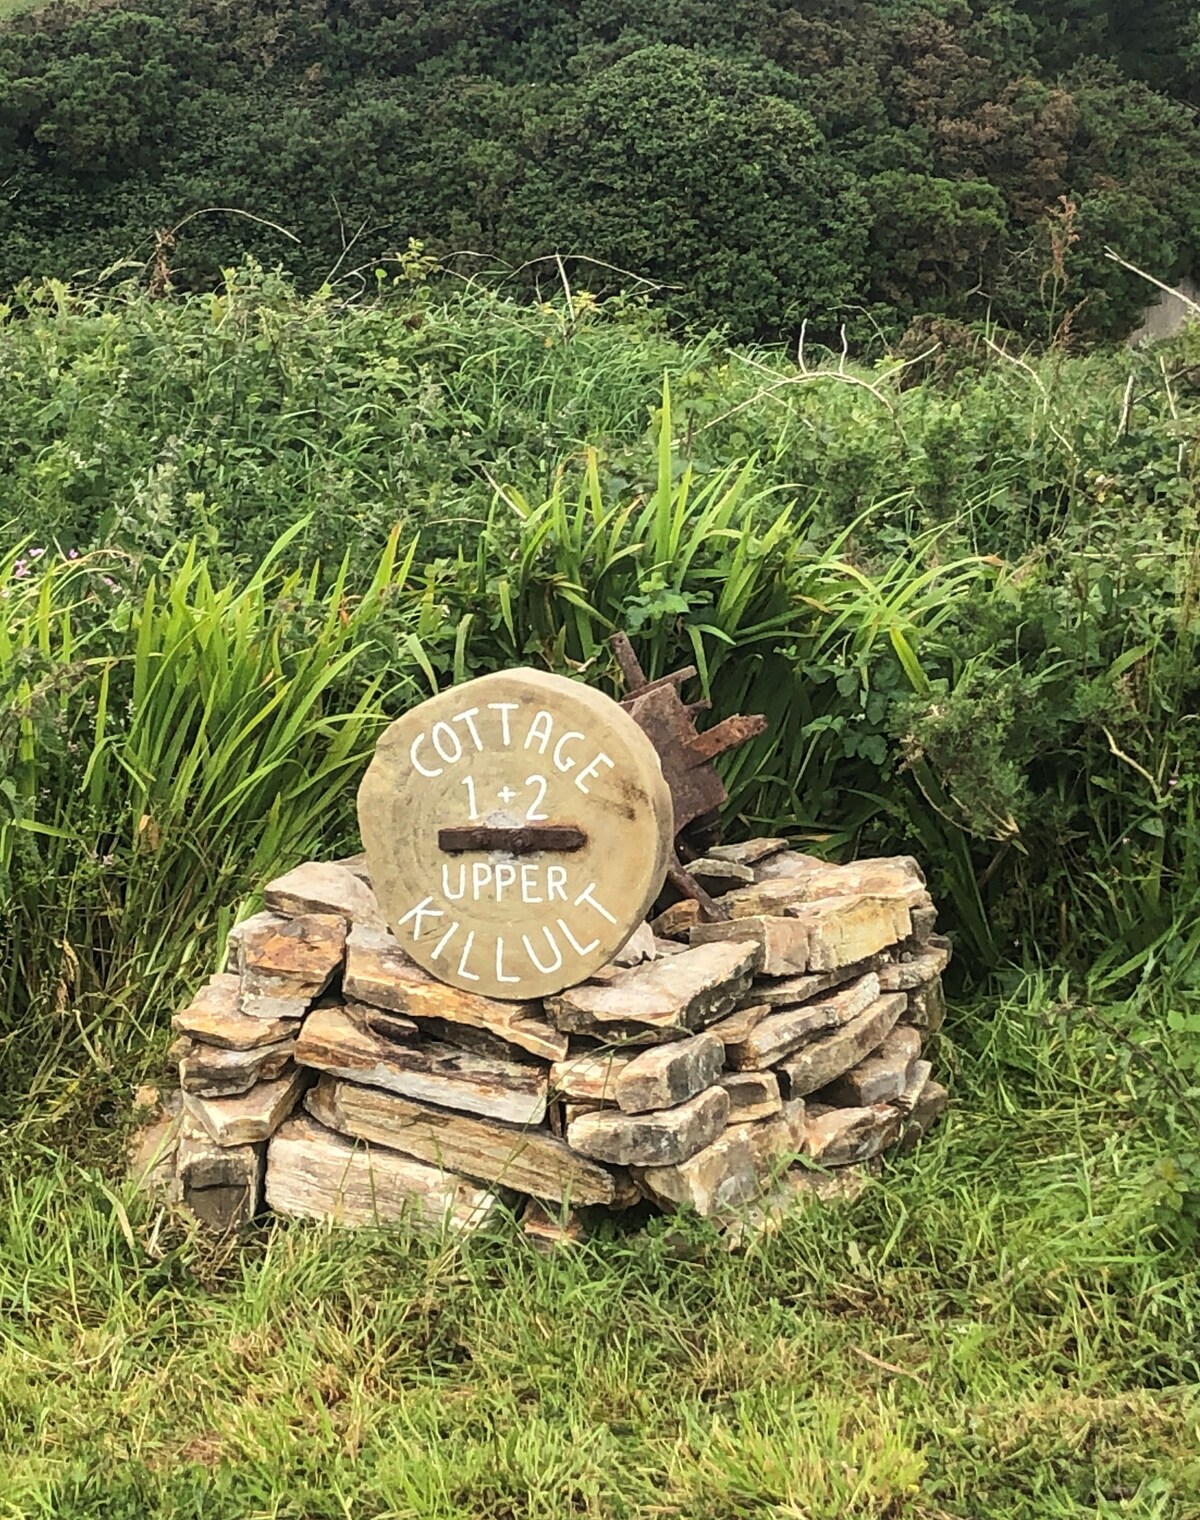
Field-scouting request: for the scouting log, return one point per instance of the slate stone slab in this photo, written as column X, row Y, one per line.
column 818, row 1063
column 658, row 1139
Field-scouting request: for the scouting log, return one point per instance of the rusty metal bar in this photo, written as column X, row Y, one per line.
column 725, row 735
column 530, row 837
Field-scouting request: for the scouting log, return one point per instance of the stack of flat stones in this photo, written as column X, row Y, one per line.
column 719, row 1066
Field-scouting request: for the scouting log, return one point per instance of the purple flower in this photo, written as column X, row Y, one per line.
column 36, row 553
column 74, row 554
column 109, row 582
column 20, row 570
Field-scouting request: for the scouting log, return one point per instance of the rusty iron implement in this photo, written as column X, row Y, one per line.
column 525, row 840
column 686, row 755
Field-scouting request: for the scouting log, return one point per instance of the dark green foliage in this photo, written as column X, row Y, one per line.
column 762, row 164
column 968, row 605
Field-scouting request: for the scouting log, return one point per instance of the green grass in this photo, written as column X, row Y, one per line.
column 1004, row 1325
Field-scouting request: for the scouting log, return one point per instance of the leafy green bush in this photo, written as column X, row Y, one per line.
column 761, row 165
column 967, row 605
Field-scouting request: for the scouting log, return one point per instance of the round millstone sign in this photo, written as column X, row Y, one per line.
column 517, row 829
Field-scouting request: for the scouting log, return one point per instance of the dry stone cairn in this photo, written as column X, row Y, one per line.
column 498, row 1004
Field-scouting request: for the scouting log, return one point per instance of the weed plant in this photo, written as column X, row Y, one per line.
column 1004, row 1324
column 245, row 532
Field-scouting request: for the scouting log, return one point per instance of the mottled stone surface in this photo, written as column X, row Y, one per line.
column 924, row 921
column 782, row 943
column 331, row 1040
column 927, row 1006
column 919, row 1074
column 380, row 973
column 751, row 852
column 287, row 962
column 782, row 864
column 212, row 1017
column 313, row 1173
column 637, row 948
column 914, row 970
column 843, row 1136
column 792, row 991
column 823, row 935
column 249, row 931
column 793, row 879
column 661, row 1000
column 718, row 876
column 528, row 1160
column 220, row 1185
column 926, row 1110
column 669, row 1074
column 212, row 1072
column 589, row 1075
column 256, row 1116
column 323, row 887
column 824, row 1059
column 722, row 1176
column 843, row 930
column 392, row 1026
column 675, row 921
column 779, row 1139
column 880, row 1077
column 734, row 1028
column 777, row 1035
column 658, row 1139
column 357, row 865
column 752, row 1095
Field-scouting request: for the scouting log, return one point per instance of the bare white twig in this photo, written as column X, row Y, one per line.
column 1170, row 290
column 1126, row 409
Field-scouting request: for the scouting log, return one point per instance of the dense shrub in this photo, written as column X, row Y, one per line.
column 761, row 165
column 969, row 606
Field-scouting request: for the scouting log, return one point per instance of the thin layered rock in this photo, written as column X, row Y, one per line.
column 653, row 1139
column 752, row 1095
column 693, row 1070
column 777, row 1035
column 324, row 887
column 313, row 1173
column 881, row 1077
column 254, row 1116
column 212, row 1072
column 431, row 1071
column 589, row 1077
column 379, row 973
column 285, row 964
column 669, row 1074
column 660, row 1001
column 213, row 1018
column 824, row 1059
column 528, row 1160
column 813, row 936
column 221, row 1186
column 845, row 1136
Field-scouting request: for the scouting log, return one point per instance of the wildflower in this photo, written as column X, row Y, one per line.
column 36, row 553
column 73, row 554
column 20, row 570
column 109, row 582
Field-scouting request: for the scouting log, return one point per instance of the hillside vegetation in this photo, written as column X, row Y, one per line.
column 245, row 529
column 562, row 352
column 756, row 164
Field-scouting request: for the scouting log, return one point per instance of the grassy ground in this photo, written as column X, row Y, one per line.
column 1004, row 1325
